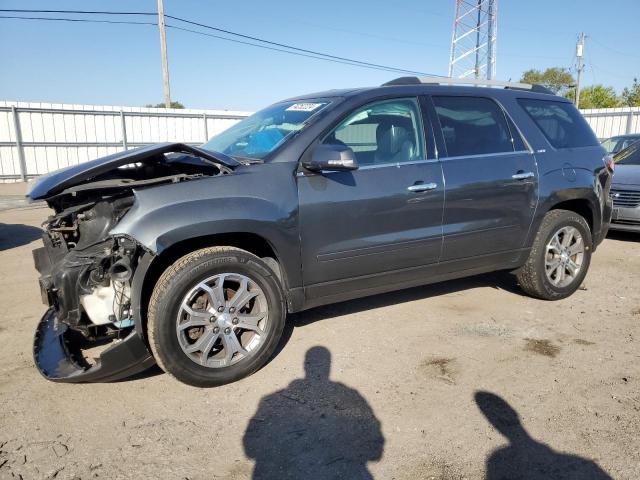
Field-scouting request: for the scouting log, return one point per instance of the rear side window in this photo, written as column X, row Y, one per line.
column 560, row 122
column 472, row 126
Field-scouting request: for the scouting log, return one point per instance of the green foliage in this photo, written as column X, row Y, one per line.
column 631, row 96
column 597, row 96
column 161, row 105
column 557, row 79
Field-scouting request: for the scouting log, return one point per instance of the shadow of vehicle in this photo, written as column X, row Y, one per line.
column 314, row 428
column 524, row 457
column 623, row 236
column 15, row 235
column 498, row 280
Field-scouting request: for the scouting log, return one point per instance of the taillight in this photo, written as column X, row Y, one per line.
column 608, row 161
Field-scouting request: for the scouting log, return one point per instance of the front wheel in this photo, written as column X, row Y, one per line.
column 215, row 316
column 559, row 258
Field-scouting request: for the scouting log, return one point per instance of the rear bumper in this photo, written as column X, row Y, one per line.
column 57, row 355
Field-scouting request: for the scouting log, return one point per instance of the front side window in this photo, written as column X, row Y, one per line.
column 261, row 133
column 560, row 122
column 389, row 131
column 472, row 126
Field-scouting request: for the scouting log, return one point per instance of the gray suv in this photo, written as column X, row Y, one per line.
column 192, row 257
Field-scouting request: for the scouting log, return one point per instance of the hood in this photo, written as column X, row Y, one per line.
column 55, row 182
column 627, row 175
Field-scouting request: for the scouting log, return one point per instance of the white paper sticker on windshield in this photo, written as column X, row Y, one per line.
column 304, row 107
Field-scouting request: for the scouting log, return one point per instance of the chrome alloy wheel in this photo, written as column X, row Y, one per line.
column 564, row 256
column 222, row 320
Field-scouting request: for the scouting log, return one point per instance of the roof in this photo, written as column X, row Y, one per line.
column 435, row 85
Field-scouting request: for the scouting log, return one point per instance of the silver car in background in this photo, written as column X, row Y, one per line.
column 625, row 190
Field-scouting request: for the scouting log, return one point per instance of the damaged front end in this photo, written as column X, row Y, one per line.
column 88, row 333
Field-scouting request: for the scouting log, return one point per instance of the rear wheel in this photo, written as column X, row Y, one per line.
column 559, row 258
column 215, row 316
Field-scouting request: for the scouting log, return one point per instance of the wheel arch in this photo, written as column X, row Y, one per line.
column 150, row 267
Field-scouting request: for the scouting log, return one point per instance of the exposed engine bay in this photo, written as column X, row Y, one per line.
column 85, row 271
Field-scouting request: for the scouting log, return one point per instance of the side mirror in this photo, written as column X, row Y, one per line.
column 331, row 158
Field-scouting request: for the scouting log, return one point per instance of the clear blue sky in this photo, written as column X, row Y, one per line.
column 120, row 64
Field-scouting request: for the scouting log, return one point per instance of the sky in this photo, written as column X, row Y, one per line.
column 109, row 64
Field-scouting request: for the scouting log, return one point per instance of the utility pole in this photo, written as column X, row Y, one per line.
column 579, row 65
column 163, row 50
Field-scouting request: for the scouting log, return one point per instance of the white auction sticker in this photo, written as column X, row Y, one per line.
column 304, row 107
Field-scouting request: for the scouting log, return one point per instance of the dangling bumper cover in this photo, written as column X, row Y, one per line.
column 57, row 355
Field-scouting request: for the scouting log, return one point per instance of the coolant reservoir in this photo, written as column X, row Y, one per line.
column 99, row 305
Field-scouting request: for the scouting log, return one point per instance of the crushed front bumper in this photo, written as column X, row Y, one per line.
column 58, row 357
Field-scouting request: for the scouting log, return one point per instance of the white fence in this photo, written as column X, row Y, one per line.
column 608, row 122
column 36, row 138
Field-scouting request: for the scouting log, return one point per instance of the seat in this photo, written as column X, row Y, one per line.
column 394, row 142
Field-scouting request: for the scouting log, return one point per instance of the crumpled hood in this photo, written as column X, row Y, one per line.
column 627, row 175
column 57, row 181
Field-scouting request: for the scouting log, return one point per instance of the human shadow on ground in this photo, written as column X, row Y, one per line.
column 15, row 235
column 525, row 458
column 314, row 429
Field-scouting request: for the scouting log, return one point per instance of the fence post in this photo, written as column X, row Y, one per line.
column 206, row 130
column 629, row 121
column 19, row 146
column 123, row 126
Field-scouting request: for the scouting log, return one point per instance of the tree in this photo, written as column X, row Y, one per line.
column 161, row 105
column 631, row 96
column 596, row 96
column 557, row 79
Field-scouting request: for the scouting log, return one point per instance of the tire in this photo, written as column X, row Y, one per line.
column 221, row 269
column 533, row 275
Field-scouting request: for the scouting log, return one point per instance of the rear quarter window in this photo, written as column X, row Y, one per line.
column 560, row 122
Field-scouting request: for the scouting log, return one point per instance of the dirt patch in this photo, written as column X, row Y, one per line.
column 580, row 341
column 541, row 347
column 440, row 368
column 487, row 330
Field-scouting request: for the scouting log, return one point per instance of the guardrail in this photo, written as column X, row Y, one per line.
column 41, row 138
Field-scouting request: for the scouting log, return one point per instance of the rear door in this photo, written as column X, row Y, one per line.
column 491, row 180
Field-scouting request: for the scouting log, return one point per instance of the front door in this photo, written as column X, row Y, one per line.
column 383, row 218
column 491, row 178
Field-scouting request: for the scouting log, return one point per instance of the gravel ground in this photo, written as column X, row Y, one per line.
column 465, row 379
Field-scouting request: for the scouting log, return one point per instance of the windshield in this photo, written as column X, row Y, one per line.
column 629, row 156
column 261, row 133
column 617, row 144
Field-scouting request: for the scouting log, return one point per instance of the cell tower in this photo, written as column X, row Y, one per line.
column 473, row 43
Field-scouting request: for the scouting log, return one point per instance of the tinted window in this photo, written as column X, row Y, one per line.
column 472, row 126
column 560, row 122
column 629, row 156
column 382, row 132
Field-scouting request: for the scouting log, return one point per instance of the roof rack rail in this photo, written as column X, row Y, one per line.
column 468, row 81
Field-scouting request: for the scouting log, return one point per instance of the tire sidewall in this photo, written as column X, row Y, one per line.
column 567, row 220
column 186, row 278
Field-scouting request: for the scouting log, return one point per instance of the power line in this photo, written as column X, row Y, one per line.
column 81, row 20
column 284, row 45
column 290, row 48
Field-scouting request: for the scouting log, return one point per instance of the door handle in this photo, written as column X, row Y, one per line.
column 522, row 175
column 422, row 187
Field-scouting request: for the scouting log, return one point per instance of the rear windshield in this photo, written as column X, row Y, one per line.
column 560, row 122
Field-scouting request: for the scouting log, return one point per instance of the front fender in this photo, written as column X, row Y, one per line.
column 164, row 216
